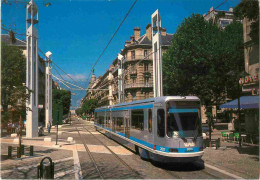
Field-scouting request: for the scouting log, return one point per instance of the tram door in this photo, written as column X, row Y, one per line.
column 114, row 124
column 127, row 125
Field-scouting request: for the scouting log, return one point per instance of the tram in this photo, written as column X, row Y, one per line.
column 164, row 129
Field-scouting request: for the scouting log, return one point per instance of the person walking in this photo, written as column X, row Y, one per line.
column 13, row 128
column 49, row 127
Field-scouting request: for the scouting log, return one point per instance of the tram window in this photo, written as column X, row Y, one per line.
column 137, row 119
column 120, row 124
column 101, row 120
column 160, row 123
column 150, row 117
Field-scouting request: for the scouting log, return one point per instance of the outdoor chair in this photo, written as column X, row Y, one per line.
column 236, row 136
column 231, row 136
column 223, row 135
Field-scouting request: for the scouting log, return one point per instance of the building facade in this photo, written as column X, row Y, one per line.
column 136, row 68
column 221, row 18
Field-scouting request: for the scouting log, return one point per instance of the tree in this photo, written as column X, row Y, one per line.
column 249, row 9
column 89, row 106
column 18, row 98
column 64, row 96
column 188, row 64
column 79, row 112
column 199, row 60
column 13, row 74
column 233, row 54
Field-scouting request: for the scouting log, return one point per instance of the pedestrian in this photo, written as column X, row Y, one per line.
column 49, row 127
column 13, row 128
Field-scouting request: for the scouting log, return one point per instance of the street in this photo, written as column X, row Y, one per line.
column 92, row 155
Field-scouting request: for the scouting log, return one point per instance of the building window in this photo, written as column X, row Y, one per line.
column 150, row 117
column 133, row 96
column 134, row 80
column 224, row 23
column 146, row 67
column 133, row 55
column 146, row 95
column 137, row 119
column 145, row 54
column 146, row 81
column 160, row 123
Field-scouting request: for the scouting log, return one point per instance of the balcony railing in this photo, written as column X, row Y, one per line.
column 139, row 57
column 138, row 85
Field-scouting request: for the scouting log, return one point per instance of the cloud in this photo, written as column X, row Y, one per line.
column 76, row 77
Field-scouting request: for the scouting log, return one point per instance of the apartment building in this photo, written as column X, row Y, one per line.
column 220, row 17
column 137, row 71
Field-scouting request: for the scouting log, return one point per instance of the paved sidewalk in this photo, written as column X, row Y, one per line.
column 65, row 157
column 243, row 162
column 26, row 167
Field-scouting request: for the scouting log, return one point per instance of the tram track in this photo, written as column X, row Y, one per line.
column 173, row 173
column 90, row 155
column 114, row 154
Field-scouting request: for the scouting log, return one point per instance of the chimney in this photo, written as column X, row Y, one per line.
column 132, row 39
column 163, row 32
column 137, row 31
column 127, row 43
column 230, row 9
column 148, row 31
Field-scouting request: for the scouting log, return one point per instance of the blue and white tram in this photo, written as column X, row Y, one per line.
column 164, row 129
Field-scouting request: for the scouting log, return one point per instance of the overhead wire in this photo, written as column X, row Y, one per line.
column 111, row 39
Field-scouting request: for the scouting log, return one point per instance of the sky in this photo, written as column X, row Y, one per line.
column 77, row 31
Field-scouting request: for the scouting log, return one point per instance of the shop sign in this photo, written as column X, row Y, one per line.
column 255, row 91
column 248, row 79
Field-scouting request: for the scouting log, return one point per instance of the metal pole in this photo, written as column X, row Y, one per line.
column 239, row 124
column 57, row 122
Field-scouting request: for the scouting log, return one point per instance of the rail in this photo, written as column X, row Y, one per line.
column 117, row 157
column 91, row 157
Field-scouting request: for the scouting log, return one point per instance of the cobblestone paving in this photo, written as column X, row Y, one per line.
column 244, row 162
column 26, row 167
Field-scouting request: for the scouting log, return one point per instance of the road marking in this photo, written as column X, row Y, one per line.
column 34, row 165
column 77, row 167
column 119, row 150
column 63, row 173
column 223, row 171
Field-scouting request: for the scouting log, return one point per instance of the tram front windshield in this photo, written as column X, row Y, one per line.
column 183, row 116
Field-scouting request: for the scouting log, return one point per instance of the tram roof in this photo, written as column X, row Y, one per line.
column 156, row 100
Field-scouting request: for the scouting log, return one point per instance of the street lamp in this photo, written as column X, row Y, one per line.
column 120, row 57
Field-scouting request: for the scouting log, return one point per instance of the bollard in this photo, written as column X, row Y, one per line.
column 45, row 171
column 217, row 143
column 18, row 152
column 22, row 149
column 9, row 151
column 31, row 150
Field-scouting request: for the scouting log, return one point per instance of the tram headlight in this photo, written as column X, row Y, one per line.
column 175, row 134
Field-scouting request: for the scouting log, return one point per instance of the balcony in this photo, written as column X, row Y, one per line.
column 138, row 85
column 132, row 71
column 115, row 69
column 139, row 57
